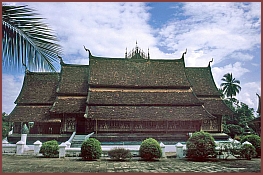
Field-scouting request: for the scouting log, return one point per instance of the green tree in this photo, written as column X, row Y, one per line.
column 230, row 86
column 5, row 126
column 234, row 125
column 26, row 40
column 244, row 114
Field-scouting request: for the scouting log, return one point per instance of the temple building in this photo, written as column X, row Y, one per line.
column 122, row 99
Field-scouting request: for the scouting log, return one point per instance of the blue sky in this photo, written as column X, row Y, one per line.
column 230, row 33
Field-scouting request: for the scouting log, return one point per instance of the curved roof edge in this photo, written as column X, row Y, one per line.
column 25, row 80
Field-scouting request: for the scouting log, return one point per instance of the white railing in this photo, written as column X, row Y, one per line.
column 72, row 136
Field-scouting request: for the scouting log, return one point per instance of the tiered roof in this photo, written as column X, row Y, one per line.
column 72, row 90
column 36, row 98
column 205, row 89
column 121, row 89
column 141, row 89
column 137, row 73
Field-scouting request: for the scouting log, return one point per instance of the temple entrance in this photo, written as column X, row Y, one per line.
column 81, row 127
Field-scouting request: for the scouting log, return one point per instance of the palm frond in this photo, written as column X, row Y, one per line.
column 26, row 40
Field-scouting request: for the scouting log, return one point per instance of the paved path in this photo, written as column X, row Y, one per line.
column 29, row 163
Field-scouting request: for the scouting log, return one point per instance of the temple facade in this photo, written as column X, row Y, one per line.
column 134, row 95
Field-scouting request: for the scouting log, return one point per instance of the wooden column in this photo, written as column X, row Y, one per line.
column 96, row 127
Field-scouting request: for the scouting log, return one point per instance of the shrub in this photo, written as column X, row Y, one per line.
column 200, row 146
column 91, row 149
column 150, row 149
column 255, row 140
column 49, row 149
column 248, row 151
column 119, row 154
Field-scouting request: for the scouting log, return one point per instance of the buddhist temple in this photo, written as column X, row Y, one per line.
column 122, row 99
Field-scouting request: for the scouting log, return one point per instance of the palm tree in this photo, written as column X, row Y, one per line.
column 230, row 86
column 26, row 40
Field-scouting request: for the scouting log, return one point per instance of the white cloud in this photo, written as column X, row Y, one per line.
column 213, row 30
column 241, row 56
column 105, row 28
column 11, row 86
column 236, row 69
column 248, row 89
column 248, row 94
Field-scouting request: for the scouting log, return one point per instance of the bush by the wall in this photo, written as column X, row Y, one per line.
column 91, row 149
column 255, row 140
column 119, row 154
column 150, row 149
column 247, row 151
column 200, row 146
column 49, row 149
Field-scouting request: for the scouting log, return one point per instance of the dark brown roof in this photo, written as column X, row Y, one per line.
column 73, row 80
column 216, row 106
column 172, row 113
column 38, row 88
column 142, row 97
column 69, row 104
column 202, row 81
column 137, row 72
column 30, row 114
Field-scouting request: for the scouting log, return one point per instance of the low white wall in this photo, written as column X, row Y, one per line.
column 9, row 148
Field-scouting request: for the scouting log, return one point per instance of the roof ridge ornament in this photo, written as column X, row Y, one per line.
column 259, row 104
column 26, row 70
column 184, row 53
column 87, row 50
column 210, row 62
column 61, row 60
column 137, row 53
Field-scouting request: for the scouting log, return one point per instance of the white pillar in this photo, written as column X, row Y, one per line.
column 37, row 146
column 62, row 150
column 179, row 150
column 163, row 149
column 20, row 147
column 23, row 138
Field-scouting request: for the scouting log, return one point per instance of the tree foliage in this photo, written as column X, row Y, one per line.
column 91, row 149
column 49, row 149
column 5, row 126
column 230, row 85
column 27, row 40
column 255, row 140
column 150, row 149
column 234, row 125
column 200, row 146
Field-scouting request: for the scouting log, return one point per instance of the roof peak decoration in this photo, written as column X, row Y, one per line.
column 259, row 104
column 184, row 53
column 137, row 53
column 61, row 60
column 210, row 62
column 87, row 50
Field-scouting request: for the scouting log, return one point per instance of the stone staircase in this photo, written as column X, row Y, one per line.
column 77, row 141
